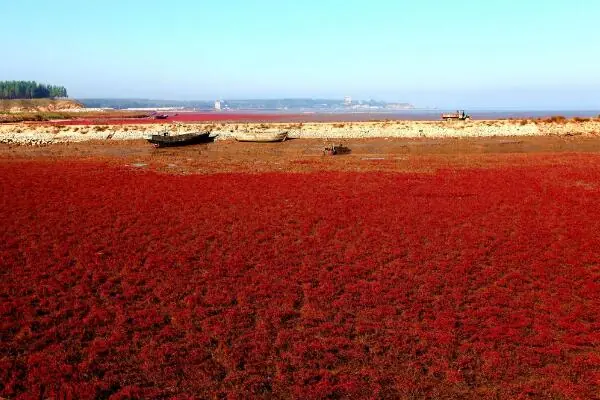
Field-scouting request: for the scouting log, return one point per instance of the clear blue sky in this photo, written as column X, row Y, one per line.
column 492, row 53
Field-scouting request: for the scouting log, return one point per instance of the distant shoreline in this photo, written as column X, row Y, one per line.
column 108, row 117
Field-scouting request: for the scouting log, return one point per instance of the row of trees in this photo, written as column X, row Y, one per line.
column 29, row 90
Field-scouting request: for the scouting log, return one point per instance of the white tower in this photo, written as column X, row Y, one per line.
column 347, row 101
column 218, row 105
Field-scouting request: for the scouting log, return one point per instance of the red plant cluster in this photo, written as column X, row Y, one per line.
column 242, row 117
column 182, row 117
column 117, row 283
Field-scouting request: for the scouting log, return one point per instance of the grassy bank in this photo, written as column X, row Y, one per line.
column 31, row 105
column 6, row 117
column 41, row 116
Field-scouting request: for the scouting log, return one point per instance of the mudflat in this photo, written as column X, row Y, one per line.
column 298, row 155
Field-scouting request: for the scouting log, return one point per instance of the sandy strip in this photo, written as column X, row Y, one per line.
column 28, row 134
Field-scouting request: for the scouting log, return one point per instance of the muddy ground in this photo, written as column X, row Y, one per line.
column 305, row 155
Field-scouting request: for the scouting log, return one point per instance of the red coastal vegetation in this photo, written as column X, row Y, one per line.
column 119, row 283
column 115, row 119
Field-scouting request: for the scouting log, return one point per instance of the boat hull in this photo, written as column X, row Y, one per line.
column 261, row 137
column 180, row 140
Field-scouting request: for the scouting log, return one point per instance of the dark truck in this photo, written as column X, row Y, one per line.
column 459, row 115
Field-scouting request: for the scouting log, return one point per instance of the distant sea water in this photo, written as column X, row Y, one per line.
column 300, row 115
column 434, row 115
column 507, row 114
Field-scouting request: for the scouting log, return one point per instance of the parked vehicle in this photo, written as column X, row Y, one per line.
column 459, row 115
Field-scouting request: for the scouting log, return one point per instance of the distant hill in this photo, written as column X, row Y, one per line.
column 38, row 105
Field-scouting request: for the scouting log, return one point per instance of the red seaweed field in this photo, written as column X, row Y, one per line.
column 118, row 283
column 198, row 117
column 241, row 117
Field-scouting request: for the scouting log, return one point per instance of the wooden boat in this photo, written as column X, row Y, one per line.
column 261, row 136
column 167, row 140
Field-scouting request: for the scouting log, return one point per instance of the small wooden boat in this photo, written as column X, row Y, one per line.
column 167, row 140
column 261, row 136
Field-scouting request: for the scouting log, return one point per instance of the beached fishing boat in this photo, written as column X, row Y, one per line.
column 167, row 140
column 261, row 136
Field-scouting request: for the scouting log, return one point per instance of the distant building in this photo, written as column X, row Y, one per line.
column 347, row 101
column 218, row 105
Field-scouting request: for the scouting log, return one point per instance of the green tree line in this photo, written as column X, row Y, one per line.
column 29, row 90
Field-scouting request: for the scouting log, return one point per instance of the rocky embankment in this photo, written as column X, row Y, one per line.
column 37, row 134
